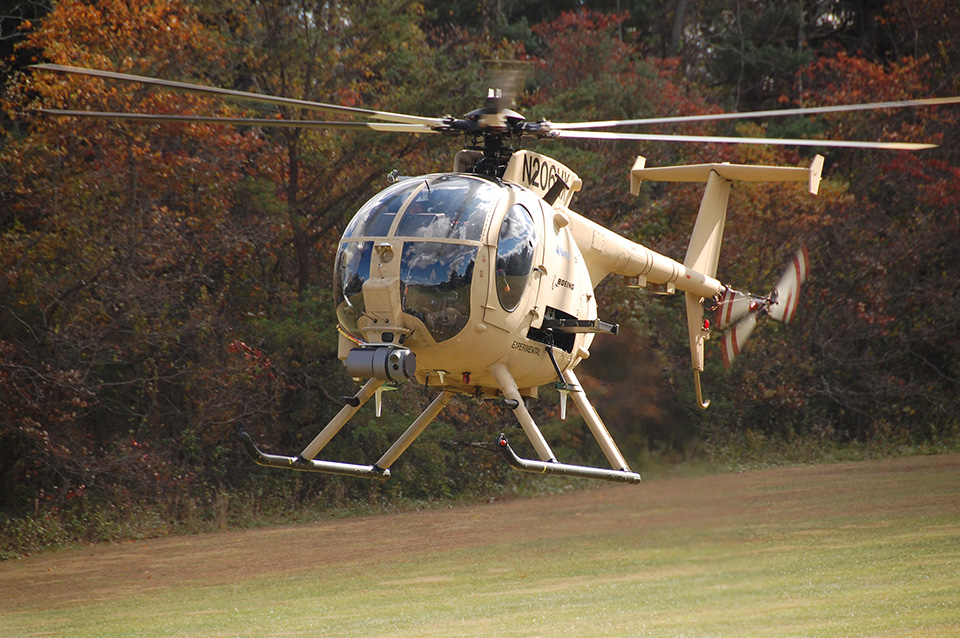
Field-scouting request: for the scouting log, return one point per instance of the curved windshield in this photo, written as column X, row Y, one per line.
column 450, row 207
column 518, row 240
column 377, row 215
column 351, row 269
column 435, row 276
column 435, row 285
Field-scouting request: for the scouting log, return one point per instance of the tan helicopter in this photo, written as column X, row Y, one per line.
column 480, row 281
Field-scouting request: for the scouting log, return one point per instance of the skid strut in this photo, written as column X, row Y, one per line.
column 563, row 469
column 548, row 464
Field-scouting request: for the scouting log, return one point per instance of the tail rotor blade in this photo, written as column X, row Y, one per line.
column 743, row 311
column 735, row 338
column 788, row 288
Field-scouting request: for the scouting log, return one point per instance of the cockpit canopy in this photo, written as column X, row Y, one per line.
column 440, row 220
column 446, row 206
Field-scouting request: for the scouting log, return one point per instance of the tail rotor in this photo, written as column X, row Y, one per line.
column 788, row 288
column 740, row 312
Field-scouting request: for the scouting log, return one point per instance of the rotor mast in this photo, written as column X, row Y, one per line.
column 493, row 131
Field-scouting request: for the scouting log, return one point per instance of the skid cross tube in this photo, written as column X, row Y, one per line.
column 563, row 469
column 309, row 465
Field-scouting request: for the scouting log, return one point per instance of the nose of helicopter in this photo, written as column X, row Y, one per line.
column 435, row 225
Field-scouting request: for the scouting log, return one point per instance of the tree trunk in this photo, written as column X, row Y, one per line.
column 301, row 235
column 676, row 35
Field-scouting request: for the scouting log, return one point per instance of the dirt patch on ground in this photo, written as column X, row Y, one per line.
column 109, row 572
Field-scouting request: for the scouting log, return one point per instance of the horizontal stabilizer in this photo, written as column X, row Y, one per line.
column 729, row 172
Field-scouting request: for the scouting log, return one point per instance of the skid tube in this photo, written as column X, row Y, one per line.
column 563, row 469
column 306, row 465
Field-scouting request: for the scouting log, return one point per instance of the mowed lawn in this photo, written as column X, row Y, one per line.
column 856, row 549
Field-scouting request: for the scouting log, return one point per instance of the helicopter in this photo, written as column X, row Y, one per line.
column 481, row 281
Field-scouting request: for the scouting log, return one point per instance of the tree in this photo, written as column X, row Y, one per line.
column 888, row 365
column 117, row 246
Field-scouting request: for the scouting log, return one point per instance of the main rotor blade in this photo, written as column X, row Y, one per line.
column 384, row 127
column 599, row 135
column 244, row 96
column 813, row 110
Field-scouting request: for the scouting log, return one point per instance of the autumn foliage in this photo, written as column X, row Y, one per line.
column 162, row 286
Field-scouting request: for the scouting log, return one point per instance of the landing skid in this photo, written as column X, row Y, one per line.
column 563, row 469
column 310, row 465
column 306, row 461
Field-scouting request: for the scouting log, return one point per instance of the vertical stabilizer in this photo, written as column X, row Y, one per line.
column 703, row 253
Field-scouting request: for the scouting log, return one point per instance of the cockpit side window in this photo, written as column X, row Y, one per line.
column 352, row 268
column 515, row 251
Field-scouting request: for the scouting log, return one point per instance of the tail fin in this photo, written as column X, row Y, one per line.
column 742, row 311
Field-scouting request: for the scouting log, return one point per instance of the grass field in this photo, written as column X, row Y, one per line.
column 856, row 549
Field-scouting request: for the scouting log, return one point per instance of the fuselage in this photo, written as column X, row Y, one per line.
column 462, row 270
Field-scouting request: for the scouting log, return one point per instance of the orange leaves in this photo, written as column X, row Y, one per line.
column 116, row 252
column 124, row 36
column 928, row 30
column 844, row 79
column 851, row 80
column 581, row 49
column 256, row 363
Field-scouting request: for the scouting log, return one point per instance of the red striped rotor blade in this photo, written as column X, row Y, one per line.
column 736, row 337
column 788, row 288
